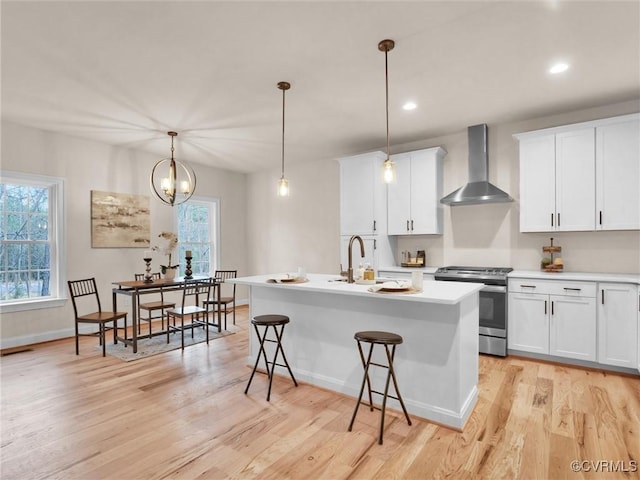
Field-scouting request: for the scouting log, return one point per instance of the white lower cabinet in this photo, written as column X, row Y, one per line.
column 552, row 318
column 618, row 324
column 528, row 327
column 572, row 328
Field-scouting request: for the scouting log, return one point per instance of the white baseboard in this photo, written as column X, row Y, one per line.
column 36, row 338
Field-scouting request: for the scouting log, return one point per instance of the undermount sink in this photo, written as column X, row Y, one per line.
column 344, row 280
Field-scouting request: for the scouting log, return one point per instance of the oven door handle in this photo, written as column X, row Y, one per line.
column 494, row 288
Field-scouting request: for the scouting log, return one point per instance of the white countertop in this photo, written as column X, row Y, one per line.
column 448, row 293
column 577, row 276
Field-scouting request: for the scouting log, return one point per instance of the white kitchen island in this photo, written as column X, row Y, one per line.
column 436, row 366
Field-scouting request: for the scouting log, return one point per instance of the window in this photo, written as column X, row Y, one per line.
column 31, row 247
column 198, row 227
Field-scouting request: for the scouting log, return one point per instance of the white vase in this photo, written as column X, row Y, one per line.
column 170, row 273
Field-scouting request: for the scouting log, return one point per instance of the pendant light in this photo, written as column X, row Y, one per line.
column 283, row 183
column 388, row 167
column 179, row 179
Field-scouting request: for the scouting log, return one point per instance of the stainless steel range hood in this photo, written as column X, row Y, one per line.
column 478, row 189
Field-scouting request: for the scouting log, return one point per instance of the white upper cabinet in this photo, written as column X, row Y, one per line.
column 537, row 183
column 557, row 182
column 413, row 201
column 575, row 180
column 362, row 195
column 581, row 177
column 618, row 176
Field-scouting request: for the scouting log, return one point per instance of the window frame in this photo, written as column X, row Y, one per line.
column 56, row 226
column 213, row 203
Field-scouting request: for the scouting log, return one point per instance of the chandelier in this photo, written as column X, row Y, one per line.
column 175, row 185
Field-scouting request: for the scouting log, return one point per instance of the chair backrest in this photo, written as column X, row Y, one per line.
column 140, row 276
column 84, row 288
column 194, row 291
column 154, row 276
column 222, row 275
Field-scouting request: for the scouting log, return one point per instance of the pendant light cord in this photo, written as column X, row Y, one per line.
column 284, row 86
column 386, row 81
column 283, row 91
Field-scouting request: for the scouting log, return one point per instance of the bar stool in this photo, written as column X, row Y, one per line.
column 386, row 339
column 275, row 321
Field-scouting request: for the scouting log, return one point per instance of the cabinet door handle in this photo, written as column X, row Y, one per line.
column 558, row 219
column 602, row 296
column 552, row 302
column 375, row 244
column 374, row 225
column 412, row 225
column 552, row 219
column 407, row 225
column 527, row 286
column 572, row 289
column 600, row 217
column 545, row 307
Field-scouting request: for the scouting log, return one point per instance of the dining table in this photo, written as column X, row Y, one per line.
column 136, row 288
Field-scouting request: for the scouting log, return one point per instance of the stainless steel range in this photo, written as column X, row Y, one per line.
column 493, row 303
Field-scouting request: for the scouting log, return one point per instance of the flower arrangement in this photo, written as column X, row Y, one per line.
column 169, row 243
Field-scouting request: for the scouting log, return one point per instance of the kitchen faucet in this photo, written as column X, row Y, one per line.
column 350, row 269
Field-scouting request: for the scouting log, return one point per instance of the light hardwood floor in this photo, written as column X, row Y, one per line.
column 184, row 415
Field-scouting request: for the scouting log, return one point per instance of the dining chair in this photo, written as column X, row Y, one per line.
column 228, row 303
column 193, row 291
column 151, row 307
column 85, row 297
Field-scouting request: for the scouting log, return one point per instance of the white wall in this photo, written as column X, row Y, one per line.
column 87, row 166
column 301, row 230
column 304, row 228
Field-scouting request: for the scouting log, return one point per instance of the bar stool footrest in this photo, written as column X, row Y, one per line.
column 382, row 393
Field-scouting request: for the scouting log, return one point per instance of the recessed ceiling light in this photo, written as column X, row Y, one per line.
column 409, row 106
column 559, row 68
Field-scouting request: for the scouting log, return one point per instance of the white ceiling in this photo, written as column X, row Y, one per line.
column 125, row 73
